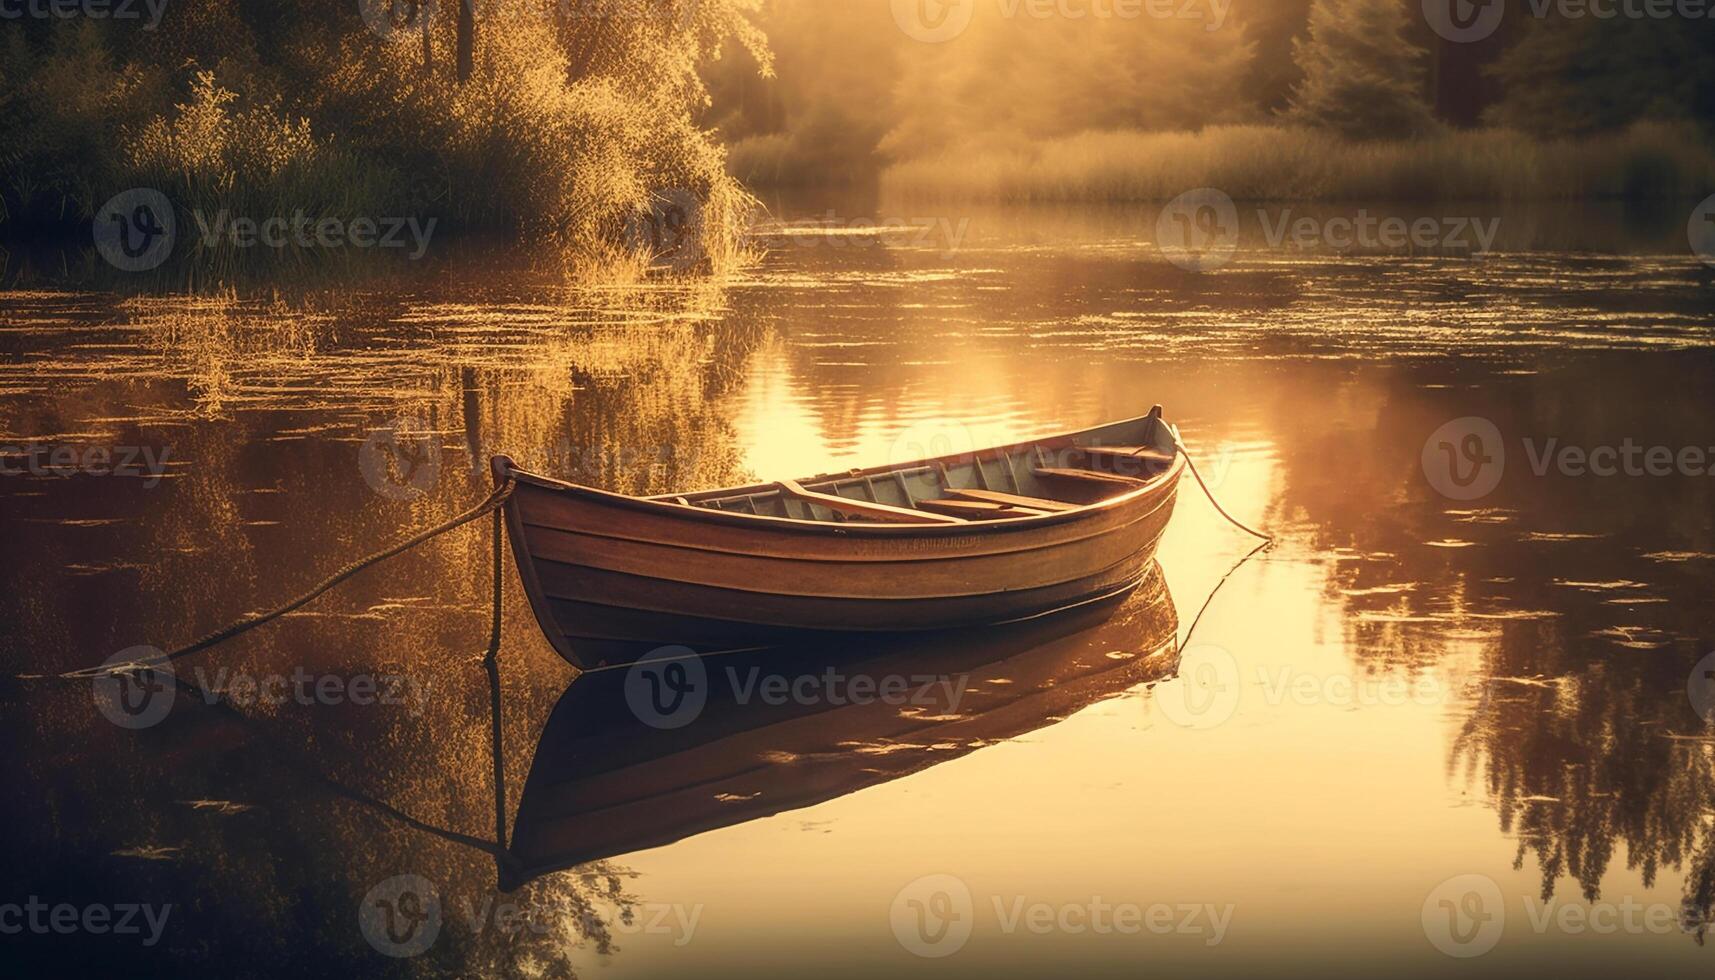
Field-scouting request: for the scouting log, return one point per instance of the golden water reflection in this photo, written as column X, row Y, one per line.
column 1554, row 623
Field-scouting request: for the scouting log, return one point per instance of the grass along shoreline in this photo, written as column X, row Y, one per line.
column 1280, row 163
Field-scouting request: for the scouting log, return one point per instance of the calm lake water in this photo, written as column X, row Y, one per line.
column 1431, row 730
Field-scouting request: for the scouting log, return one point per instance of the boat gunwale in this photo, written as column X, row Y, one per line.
column 1084, row 535
column 504, row 468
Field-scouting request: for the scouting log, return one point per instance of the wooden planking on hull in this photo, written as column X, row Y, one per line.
column 607, row 635
column 601, row 567
column 687, row 527
column 901, row 579
column 577, row 584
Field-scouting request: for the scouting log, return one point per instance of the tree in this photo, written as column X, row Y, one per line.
column 1022, row 79
column 1568, row 77
column 466, row 39
column 1362, row 78
column 557, row 121
column 1272, row 27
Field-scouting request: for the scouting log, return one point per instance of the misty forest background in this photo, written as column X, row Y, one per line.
column 560, row 121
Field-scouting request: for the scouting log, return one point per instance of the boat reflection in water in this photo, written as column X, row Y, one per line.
column 679, row 744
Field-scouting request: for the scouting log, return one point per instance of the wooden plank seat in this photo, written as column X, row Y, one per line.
column 977, row 509
column 1096, row 477
column 865, row 508
column 1014, row 500
column 1143, row 453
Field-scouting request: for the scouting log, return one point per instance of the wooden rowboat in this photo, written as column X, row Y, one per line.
column 971, row 539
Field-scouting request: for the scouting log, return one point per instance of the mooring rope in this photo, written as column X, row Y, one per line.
column 1267, row 539
column 492, row 505
column 491, row 666
column 293, row 759
column 1241, row 525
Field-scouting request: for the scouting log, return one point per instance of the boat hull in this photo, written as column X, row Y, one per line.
column 611, row 577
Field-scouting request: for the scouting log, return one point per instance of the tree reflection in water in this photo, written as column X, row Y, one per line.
column 1580, row 603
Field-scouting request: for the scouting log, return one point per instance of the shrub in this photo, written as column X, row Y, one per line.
column 571, row 119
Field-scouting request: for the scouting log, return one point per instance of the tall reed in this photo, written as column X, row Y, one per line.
column 1268, row 162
